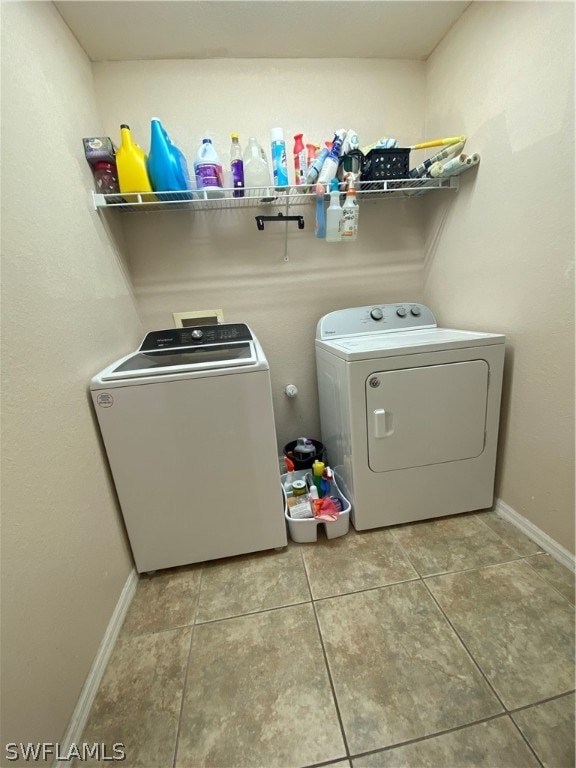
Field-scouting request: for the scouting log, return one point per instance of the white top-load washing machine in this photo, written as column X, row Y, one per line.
column 188, row 427
column 409, row 412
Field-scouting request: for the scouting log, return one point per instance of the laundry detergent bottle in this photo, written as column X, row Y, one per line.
column 208, row 170
column 167, row 166
column 237, row 166
column 256, row 172
column 131, row 165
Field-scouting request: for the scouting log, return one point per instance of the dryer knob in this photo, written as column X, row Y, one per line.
column 197, row 333
column 402, row 312
column 415, row 311
column 376, row 313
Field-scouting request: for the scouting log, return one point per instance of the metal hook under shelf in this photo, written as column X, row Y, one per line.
column 279, row 217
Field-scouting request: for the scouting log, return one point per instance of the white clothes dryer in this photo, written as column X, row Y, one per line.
column 409, row 412
column 188, row 427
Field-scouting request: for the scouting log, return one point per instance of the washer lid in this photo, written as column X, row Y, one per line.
column 184, row 352
column 406, row 343
column 181, row 360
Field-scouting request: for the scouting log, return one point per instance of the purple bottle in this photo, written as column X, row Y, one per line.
column 237, row 167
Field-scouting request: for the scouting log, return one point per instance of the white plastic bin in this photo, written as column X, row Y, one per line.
column 305, row 530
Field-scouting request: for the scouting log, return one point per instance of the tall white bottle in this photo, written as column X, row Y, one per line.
column 334, row 215
column 208, row 170
column 256, row 173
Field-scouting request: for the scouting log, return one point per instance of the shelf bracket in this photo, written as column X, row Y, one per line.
column 279, row 217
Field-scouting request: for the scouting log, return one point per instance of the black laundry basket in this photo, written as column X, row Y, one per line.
column 305, row 463
column 384, row 164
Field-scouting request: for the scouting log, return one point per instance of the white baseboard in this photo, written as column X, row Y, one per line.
column 77, row 723
column 544, row 541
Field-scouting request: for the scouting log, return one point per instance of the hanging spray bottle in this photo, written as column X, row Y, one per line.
column 334, row 215
column 350, row 216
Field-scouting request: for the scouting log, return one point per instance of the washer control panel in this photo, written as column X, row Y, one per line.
column 195, row 336
column 378, row 318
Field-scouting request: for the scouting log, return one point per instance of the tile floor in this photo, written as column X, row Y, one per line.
column 444, row 643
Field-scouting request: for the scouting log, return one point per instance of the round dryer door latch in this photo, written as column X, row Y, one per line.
column 374, row 382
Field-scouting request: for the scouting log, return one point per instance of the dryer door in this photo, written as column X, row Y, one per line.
column 430, row 415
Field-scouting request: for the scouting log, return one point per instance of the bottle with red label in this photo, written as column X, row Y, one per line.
column 300, row 166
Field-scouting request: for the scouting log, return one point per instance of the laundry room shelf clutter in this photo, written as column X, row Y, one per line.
column 265, row 196
column 164, row 180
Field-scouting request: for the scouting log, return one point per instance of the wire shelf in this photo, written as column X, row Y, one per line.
column 261, row 197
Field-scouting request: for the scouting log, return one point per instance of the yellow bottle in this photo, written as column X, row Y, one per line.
column 131, row 164
column 317, row 472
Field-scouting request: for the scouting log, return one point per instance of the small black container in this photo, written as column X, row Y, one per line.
column 383, row 164
column 305, row 463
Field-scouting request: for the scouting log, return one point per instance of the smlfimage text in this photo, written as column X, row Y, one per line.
column 33, row 753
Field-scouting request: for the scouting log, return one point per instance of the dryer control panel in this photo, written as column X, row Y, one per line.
column 376, row 318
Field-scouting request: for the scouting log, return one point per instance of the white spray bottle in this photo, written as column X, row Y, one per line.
column 334, row 215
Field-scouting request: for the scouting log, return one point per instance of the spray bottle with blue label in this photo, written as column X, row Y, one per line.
column 330, row 165
column 279, row 165
column 334, row 214
column 316, row 166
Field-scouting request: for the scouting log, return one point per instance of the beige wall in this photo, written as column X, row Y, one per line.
column 501, row 257
column 497, row 256
column 181, row 261
column 67, row 310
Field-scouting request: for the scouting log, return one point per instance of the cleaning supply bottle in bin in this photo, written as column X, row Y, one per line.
column 300, row 506
column 278, row 146
column 289, row 474
column 237, row 167
column 131, row 165
column 350, row 216
column 166, row 165
column 317, row 472
column 208, row 170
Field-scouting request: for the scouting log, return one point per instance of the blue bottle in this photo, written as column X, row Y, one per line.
column 279, row 165
column 167, row 166
column 316, row 166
